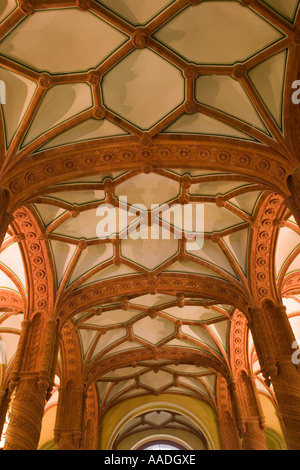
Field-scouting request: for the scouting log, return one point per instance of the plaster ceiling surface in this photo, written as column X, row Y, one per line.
column 123, row 78
column 158, row 422
column 150, row 322
column 90, row 81
column 288, row 250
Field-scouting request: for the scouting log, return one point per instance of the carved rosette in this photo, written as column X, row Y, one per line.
column 11, row 300
column 101, row 366
column 238, row 341
column 250, row 419
column 41, row 280
column 34, row 363
column 97, row 293
column 91, row 420
column 262, row 267
column 33, row 176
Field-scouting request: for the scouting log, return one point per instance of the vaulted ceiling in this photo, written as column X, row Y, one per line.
column 132, row 104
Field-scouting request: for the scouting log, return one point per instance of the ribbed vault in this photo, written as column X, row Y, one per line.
column 144, row 110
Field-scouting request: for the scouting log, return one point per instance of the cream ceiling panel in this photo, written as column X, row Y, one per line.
column 206, row 40
column 107, row 340
column 135, row 11
column 90, row 258
column 48, row 41
column 12, row 259
column 154, row 330
column 19, row 94
column 7, row 7
column 288, row 241
column 62, row 254
column 91, row 129
column 156, row 381
column 268, row 79
column 61, row 103
column 200, row 124
column 78, row 197
column 148, row 190
column 11, row 343
column 286, row 8
column 110, row 273
column 149, row 254
column 143, row 80
column 227, row 95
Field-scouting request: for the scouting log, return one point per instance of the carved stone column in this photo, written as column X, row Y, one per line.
column 91, row 420
column 249, row 416
column 69, row 417
column 248, row 413
column 273, row 338
column 31, row 379
column 228, row 432
column 24, row 428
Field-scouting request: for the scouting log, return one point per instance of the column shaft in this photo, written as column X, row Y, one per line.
column 248, row 414
column 25, row 423
column 31, row 379
column 69, row 418
column 273, row 338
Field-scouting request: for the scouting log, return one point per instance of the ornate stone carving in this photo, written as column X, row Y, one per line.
column 32, row 176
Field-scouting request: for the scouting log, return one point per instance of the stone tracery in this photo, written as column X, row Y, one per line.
column 68, row 296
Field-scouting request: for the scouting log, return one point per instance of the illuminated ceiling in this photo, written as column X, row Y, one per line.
column 163, row 102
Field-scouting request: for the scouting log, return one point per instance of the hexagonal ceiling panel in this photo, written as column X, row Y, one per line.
column 142, row 81
column 210, row 20
column 148, row 323
column 48, row 41
column 7, row 7
column 92, row 241
column 135, row 11
column 287, row 8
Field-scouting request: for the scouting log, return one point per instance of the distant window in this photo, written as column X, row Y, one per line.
column 161, row 445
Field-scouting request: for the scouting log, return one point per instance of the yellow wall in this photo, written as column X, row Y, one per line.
column 199, row 411
column 190, row 439
column 48, row 424
column 270, row 413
